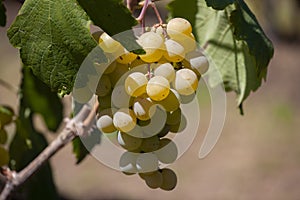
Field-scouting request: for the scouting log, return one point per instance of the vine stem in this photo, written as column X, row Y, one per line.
column 77, row 126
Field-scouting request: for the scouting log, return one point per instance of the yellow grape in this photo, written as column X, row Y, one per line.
column 143, row 108
column 166, row 70
column 135, row 84
column 158, row 88
column 178, row 26
column 109, row 45
column 174, row 52
column 127, row 57
column 124, row 119
column 186, row 82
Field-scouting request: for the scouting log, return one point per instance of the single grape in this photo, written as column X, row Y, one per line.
column 150, row 144
column 127, row 57
column 146, row 162
column 128, row 142
column 104, row 86
column 124, row 119
column 180, row 126
column 171, row 103
column 6, row 115
column 174, row 117
column 187, row 41
column 105, row 124
column 178, row 26
column 127, row 162
column 197, row 62
column 174, row 52
column 82, row 95
column 135, row 84
column 169, row 179
column 164, row 131
column 167, row 152
column 166, row 70
column 3, row 136
column 154, row 180
column 109, row 45
column 186, row 82
column 158, row 88
column 143, row 108
column 120, row 98
column 153, row 44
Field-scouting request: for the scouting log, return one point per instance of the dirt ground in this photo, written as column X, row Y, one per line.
column 257, row 156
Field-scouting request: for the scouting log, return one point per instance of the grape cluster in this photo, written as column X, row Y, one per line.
column 140, row 96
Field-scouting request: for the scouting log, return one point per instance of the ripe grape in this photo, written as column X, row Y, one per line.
column 174, row 117
column 143, row 108
column 104, row 86
column 127, row 57
column 158, row 88
column 169, row 179
column 178, row 26
column 124, row 119
column 174, row 52
column 187, row 41
column 186, row 82
column 197, row 62
column 150, row 144
column 171, row 103
column 127, row 162
column 109, row 45
column 105, row 124
column 152, row 43
column 167, row 152
column 166, row 70
column 146, row 162
column 135, row 84
column 118, row 73
column 154, row 180
column 129, row 142
column 120, row 98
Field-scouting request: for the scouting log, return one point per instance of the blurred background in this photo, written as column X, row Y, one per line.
column 257, row 156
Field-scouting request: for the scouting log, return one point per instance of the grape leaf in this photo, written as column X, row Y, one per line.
column 54, row 39
column 114, row 18
column 246, row 27
column 2, row 14
column 39, row 98
column 219, row 4
column 231, row 57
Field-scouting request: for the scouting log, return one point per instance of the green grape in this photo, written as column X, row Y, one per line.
column 127, row 57
column 174, row 117
column 3, row 136
column 104, row 102
column 104, row 86
column 171, row 103
column 117, row 74
column 4, row 156
column 135, row 84
column 6, row 115
column 143, row 108
column 174, row 52
column 185, row 99
column 178, row 26
column 138, row 62
column 167, row 152
column 166, row 70
column 127, row 162
column 120, row 98
column 180, row 126
column 129, row 142
column 169, row 179
column 155, row 124
column 187, row 41
column 124, row 119
column 158, row 88
column 164, row 131
column 186, row 82
column 109, row 45
column 153, row 44
column 105, row 124
column 154, row 180
column 146, row 162
column 197, row 62
column 150, row 144
column 82, row 95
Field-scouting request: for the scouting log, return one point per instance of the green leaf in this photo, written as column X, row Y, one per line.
column 2, row 14
column 114, row 18
column 39, row 98
column 247, row 28
column 219, row 4
column 4, row 157
column 3, row 136
column 230, row 56
column 54, row 38
column 79, row 150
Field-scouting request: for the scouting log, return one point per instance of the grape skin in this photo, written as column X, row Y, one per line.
column 186, row 82
column 158, row 88
column 169, row 179
column 135, row 84
column 166, row 70
column 128, row 142
column 124, row 119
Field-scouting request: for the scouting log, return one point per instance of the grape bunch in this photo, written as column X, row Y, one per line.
column 140, row 97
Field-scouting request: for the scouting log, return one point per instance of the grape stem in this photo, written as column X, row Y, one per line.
column 80, row 125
